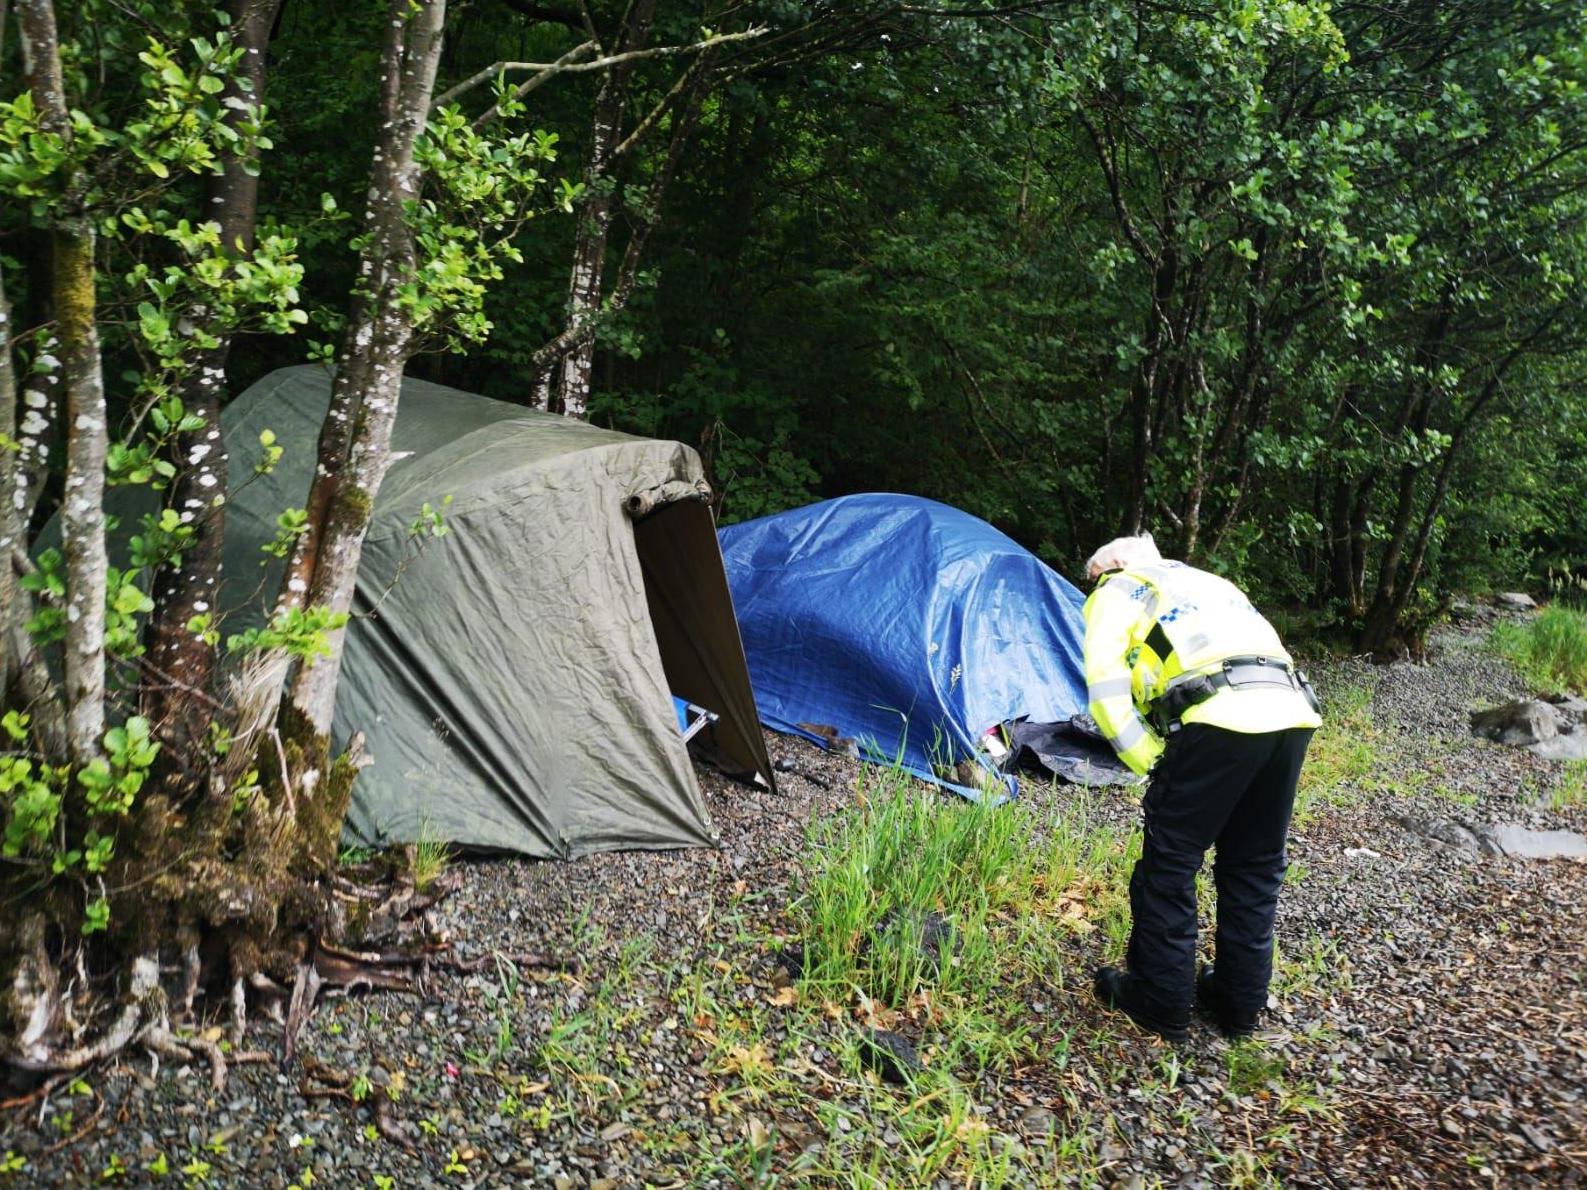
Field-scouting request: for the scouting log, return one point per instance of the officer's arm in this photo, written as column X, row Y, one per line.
column 1110, row 613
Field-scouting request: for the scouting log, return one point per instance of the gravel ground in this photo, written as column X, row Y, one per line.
column 1439, row 1017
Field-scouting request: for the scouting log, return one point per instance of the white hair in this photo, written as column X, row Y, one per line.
column 1122, row 552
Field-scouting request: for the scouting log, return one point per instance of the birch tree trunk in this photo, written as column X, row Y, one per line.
column 13, row 535
column 355, row 443
column 595, row 219
column 181, row 660
column 577, row 339
column 82, row 509
column 28, row 418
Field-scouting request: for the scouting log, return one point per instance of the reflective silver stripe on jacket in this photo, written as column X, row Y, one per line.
column 1110, row 688
column 1130, row 734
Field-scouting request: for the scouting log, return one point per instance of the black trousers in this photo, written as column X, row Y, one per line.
column 1235, row 790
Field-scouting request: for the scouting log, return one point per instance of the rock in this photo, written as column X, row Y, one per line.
column 790, row 961
column 1515, row 599
column 891, row 1055
column 1569, row 746
column 1451, row 1129
column 1038, row 1121
column 1525, row 721
column 1445, row 832
column 1571, row 706
column 938, row 937
column 1519, row 842
column 1504, row 838
column 1539, row 1142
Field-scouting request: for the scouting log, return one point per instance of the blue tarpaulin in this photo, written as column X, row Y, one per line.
column 903, row 624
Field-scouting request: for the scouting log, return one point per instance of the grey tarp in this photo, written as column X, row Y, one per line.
column 513, row 677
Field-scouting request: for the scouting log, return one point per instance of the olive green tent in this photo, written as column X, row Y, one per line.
column 514, row 677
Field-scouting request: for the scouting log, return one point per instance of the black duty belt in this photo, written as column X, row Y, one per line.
column 1189, row 690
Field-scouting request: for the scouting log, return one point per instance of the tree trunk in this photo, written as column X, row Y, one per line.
column 82, row 509
column 595, row 220
column 181, row 659
column 1144, row 397
column 1415, row 411
column 28, row 418
column 578, row 338
column 13, row 534
column 1396, row 586
column 355, row 445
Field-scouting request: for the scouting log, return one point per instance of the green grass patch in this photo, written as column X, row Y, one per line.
column 1314, row 968
column 1252, row 1068
column 1571, row 792
column 1344, row 754
column 1550, row 649
column 964, row 927
column 903, row 860
column 942, row 920
column 431, row 857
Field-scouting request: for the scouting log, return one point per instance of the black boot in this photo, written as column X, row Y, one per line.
column 1116, row 989
column 1209, row 998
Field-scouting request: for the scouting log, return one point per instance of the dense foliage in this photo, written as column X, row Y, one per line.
column 1295, row 285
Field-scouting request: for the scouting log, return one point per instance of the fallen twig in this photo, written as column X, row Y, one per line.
column 39, row 1092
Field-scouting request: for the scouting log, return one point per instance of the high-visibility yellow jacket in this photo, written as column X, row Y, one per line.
column 1147, row 625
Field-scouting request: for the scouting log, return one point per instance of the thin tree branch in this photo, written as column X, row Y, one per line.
column 1030, row 8
column 534, row 81
column 588, row 22
column 655, row 113
column 660, row 51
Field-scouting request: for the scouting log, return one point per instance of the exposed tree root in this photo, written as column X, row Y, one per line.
column 145, row 986
column 337, row 1084
column 398, row 950
column 305, row 992
column 43, row 1091
column 192, row 973
column 388, row 1127
column 81, row 1131
column 522, row 958
column 157, row 1038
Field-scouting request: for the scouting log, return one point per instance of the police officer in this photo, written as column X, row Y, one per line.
column 1192, row 685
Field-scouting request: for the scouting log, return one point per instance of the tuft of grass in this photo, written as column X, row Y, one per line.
column 353, row 857
column 1566, row 586
column 1314, row 968
column 999, row 876
column 1550, row 649
column 1253, row 1068
column 891, row 861
column 432, row 855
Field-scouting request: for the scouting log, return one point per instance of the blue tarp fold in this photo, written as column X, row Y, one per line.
column 904, row 624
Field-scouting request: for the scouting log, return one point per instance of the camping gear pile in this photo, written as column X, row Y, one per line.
column 913, row 633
